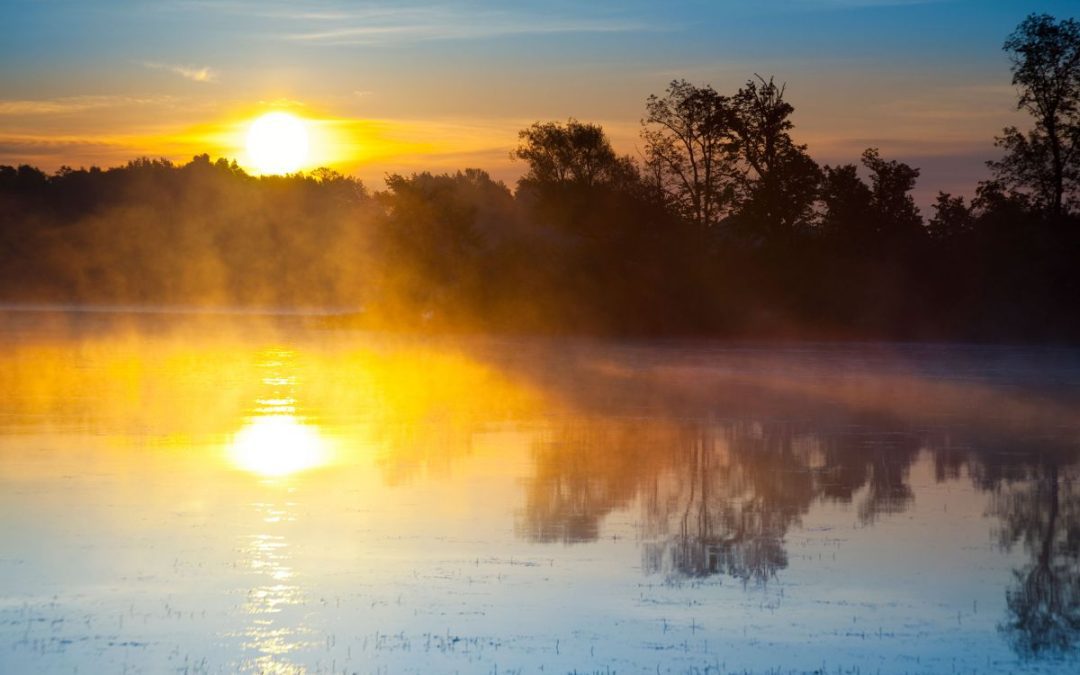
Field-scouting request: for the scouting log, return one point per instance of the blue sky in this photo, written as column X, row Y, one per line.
column 449, row 83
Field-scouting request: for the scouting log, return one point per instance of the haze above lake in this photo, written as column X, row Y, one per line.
column 237, row 494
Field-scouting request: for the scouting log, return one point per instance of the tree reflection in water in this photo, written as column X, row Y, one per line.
column 719, row 498
column 585, row 469
column 716, row 498
column 726, row 505
column 1043, row 515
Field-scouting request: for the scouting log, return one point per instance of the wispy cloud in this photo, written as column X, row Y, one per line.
column 438, row 24
column 193, row 73
column 72, row 104
column 337, row 23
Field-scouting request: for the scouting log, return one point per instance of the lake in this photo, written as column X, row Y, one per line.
column 221, row 494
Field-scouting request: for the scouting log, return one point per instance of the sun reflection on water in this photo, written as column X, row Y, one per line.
column 271, row 635
column 278, row 445
column 276, row 441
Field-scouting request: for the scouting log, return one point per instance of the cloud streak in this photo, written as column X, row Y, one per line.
column 193, row 73
column 334, row 23
column 73, row 104
column 449, row 30
column 440, row 26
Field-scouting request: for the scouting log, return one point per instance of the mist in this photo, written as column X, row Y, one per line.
column 723, row 226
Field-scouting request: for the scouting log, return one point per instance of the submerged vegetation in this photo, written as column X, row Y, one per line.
column 724, row 226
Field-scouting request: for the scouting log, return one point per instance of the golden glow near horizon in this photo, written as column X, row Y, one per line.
column 277, row 142
column 365, row 148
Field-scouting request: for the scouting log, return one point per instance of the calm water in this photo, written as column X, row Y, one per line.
column 218, row 496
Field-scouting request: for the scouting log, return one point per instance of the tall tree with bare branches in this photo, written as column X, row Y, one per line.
column 1044, row 162
column 780, row 180
column 690, row 142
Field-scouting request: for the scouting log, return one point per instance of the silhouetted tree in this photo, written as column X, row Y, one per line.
column 574, row 153
column 690, row 143
column 848, row 203
column 780, row 181
column 891, row 183
column 1045, row 161
column 575, row 179
column 952, row 217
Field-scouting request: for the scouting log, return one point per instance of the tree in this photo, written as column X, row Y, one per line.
column 847, row 201
column 576, row 154
column 433, row 236
column 952, row 217
column 576, row 182
column 337, row 186
column 1045, row 161
column 884, row 209
column 780, row 180
column 891, row 183
column 712, row 156
column 690, row 143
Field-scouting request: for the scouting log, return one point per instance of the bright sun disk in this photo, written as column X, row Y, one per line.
column 277, row 142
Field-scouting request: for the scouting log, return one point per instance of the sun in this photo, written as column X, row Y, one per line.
column 277, row 142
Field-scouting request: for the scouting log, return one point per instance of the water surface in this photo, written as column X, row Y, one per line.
column 221, row 495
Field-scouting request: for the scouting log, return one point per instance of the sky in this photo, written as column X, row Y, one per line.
column 412, row 86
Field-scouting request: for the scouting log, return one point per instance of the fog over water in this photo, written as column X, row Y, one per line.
column 213, row 494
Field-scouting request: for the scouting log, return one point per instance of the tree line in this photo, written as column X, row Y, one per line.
column 724, row 226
